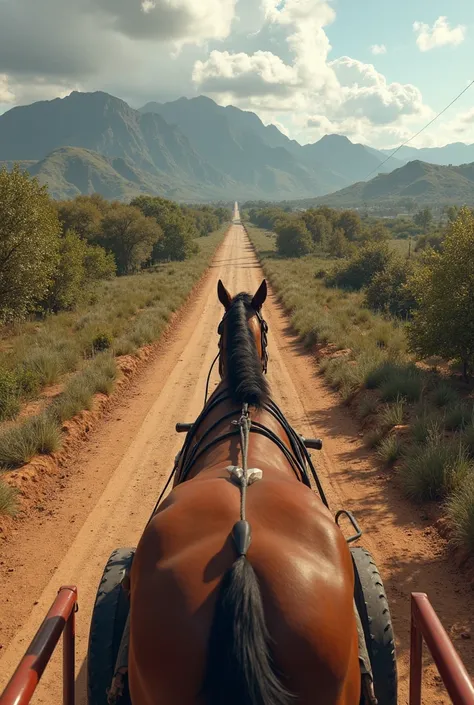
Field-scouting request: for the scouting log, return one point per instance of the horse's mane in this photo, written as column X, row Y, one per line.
column 247, row 383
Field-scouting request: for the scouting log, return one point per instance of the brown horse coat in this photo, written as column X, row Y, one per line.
column 298, row 553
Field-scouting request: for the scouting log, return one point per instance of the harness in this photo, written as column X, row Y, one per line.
column 302, row 465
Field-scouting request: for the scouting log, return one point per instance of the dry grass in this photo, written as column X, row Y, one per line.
column 375, row 357
column 8, row 499
column 126, row 313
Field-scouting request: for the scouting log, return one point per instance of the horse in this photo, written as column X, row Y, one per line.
column 242, row 584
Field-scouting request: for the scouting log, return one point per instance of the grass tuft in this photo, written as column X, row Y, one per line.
column 460, row 511
column 19, row 444
column 444, row 395
column 436, row 469
column 390, row 449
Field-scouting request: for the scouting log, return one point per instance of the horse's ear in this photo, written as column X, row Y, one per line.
column 260, row 297
column 224, row 297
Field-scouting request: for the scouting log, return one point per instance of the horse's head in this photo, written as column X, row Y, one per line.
column 229, row 330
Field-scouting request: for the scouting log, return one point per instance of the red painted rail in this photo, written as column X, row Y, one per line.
column 59, row 620
column 425, row 626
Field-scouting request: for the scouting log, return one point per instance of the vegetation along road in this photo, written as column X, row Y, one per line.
column 113, row 482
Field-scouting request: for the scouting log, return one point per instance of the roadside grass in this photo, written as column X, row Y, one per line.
column 418, row 421
column 125, row 314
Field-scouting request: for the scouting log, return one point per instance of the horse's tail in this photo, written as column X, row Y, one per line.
column 239, row 667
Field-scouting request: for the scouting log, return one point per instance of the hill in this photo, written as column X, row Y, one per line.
column 426, row 183
column 454, row 154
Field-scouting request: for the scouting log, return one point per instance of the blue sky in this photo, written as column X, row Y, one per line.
column 308, row 66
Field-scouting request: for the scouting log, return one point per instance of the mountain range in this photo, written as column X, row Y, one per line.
column 187, row 150
column 418, row 181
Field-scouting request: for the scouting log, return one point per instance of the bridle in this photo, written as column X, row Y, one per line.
column 263, row 336
column 264, row 344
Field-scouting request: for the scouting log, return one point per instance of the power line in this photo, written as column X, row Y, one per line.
column 420, row 131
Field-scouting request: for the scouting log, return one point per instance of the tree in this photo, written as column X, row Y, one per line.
column 443, row 287
column 79, row 266
column 178, row 230
column 83, row 215
column 318, row 225
column 388, row 290
column 423, row 218
column 293, row 238
column 130, row 236
column 337, row 243
column 177, row 241
column 350, row 223
column 29, row 243
column 69, row 277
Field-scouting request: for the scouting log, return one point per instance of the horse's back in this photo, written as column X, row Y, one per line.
column 304, row 570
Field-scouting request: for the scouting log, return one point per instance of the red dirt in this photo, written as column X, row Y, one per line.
column 108, row 491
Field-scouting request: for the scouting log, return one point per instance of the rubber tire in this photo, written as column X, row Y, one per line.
column 107, row 624
column 374, row 613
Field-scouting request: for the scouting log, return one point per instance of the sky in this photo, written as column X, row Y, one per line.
column 374, row 71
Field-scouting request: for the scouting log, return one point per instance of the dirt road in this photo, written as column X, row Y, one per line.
column 115, row 482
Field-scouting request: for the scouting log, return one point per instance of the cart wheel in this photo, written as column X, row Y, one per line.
column 108, row 622
column 374, row 613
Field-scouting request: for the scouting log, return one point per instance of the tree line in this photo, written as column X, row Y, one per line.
column 433, row 291
column 52, row 252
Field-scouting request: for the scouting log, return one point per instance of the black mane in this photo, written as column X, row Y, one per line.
column 247, row 383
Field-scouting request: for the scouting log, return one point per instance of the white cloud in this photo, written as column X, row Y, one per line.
column 262, row 73
column 440, row 34
column 377, row 49
column 148, row 5
column 6, row 95
column 315, row 94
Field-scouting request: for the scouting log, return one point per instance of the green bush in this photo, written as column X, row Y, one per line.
column 293, row 238
column 388, row 290
column 367, row 261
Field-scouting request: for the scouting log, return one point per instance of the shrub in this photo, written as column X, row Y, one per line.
column 367, row 261
column 293, row 238
column 435, row 470
column 388, row 290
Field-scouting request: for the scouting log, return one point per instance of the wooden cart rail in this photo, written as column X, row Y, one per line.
column 59, row 620
column 425, row 626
